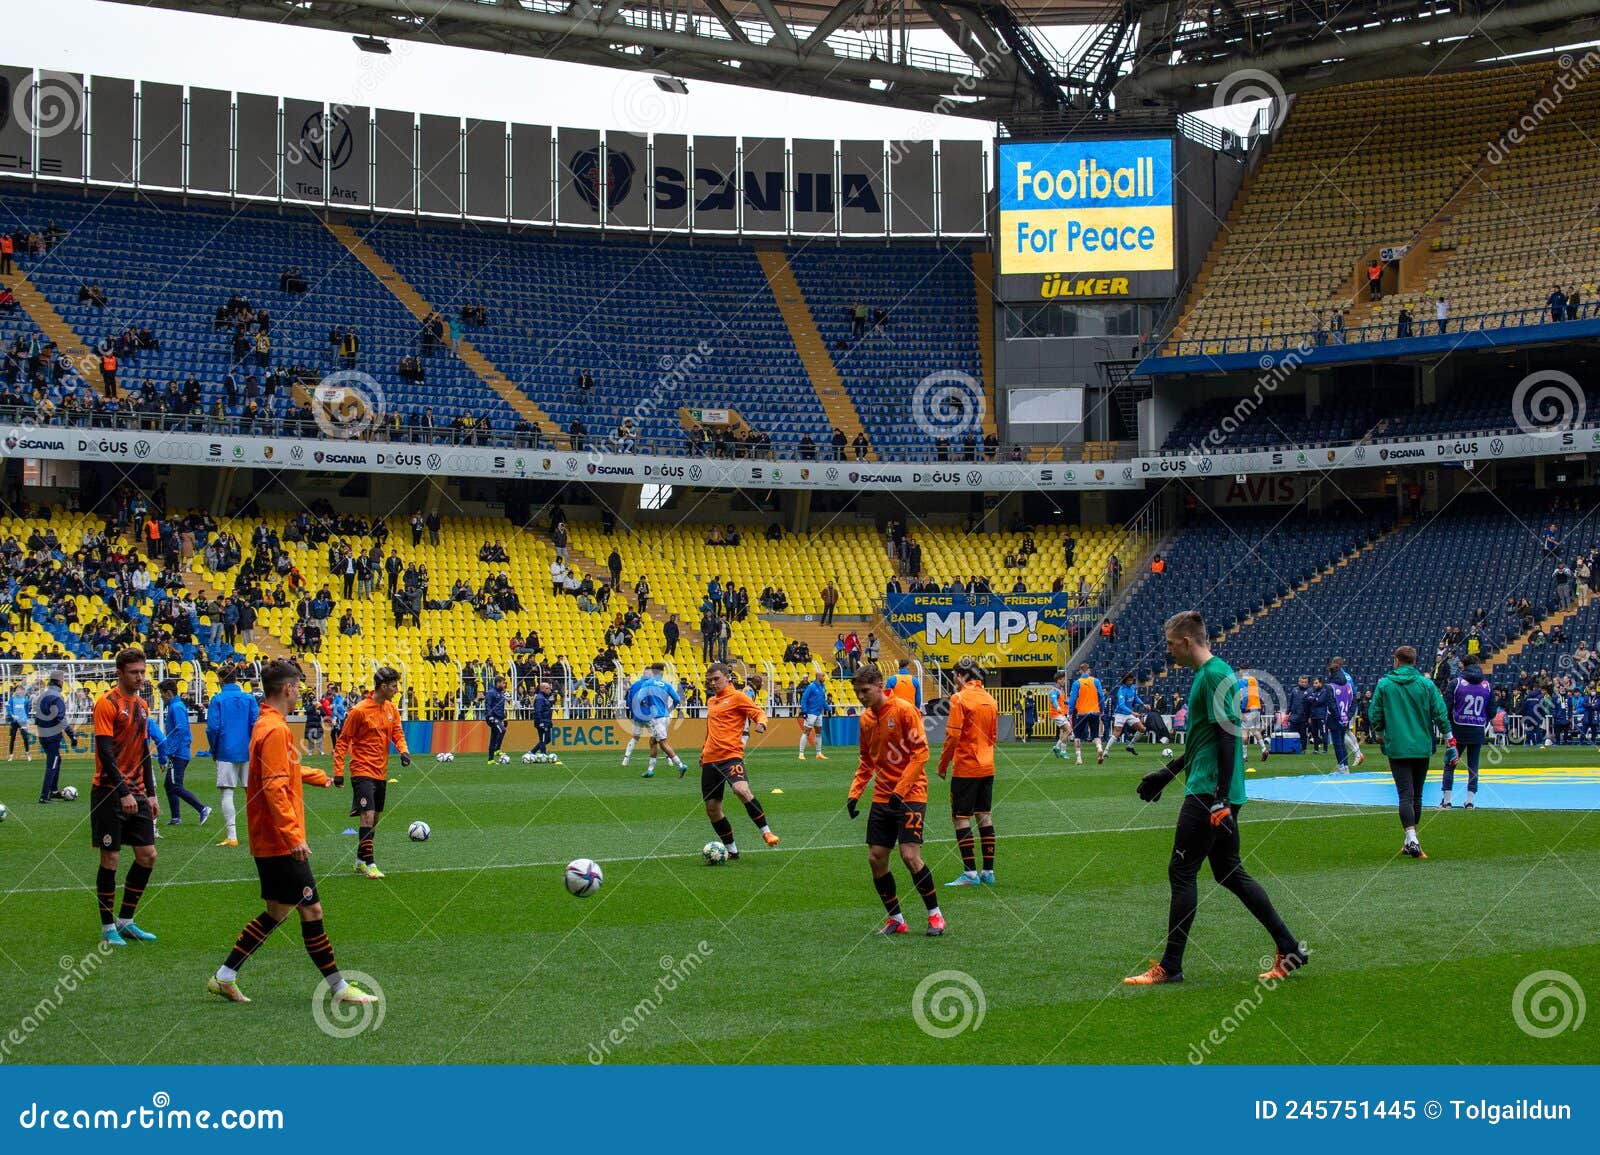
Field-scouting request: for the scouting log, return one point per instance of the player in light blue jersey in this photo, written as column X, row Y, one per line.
column 813, row 709
column 1127, row 715
column 650, row 702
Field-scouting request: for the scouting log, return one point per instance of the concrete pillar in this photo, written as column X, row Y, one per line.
column 222, row 491
column 1430, row 384
column 800, row 516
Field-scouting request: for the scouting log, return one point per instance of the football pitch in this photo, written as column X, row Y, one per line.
column 482, row 956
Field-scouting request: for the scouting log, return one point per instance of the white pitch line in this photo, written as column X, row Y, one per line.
column 855, row 845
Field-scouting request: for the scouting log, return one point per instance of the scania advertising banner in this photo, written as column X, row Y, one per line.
column 1006, row 629
column 1466, row 452
column 53, row 443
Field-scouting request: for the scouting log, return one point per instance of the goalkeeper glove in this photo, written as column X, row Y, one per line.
column 897, row 804
column 852, row 808
column 1222, row 815
column 405, row 759
column 1152, row 784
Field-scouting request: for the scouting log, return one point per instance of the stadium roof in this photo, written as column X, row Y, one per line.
column 995, row 66
column 853, row 50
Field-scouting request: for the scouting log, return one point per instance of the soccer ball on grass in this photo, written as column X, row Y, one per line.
column 583, row 877
column 70, row 793
column 714, row 853
column 420, row 831
column 503, row 758
column 446, row 756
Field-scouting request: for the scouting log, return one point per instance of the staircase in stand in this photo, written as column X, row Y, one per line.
column 55, row 327
column 1517, row 645
column 810, row 344
column 418, row 306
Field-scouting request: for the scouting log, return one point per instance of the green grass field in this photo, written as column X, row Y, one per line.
column 483, row 957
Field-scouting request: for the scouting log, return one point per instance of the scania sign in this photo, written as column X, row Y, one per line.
column 15, row 442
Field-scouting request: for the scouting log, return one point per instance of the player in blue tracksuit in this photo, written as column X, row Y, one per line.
column 339, row 709
column 230, row 717
column 18, row 709
column 1127, row 714
column 650, row 702
column 813, row 709
column 494, row 713
column 543, row 717
column 50, row 721
column 173, row 751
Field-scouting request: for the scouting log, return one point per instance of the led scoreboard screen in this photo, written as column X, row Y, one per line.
column 1086, row 206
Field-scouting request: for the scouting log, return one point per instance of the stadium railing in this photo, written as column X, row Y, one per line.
column 1312, row 339
column 295, row 425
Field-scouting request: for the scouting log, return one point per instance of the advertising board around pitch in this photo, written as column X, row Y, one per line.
column 1086, row 206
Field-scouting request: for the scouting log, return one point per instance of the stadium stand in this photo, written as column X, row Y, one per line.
column 170, row 272
column 1286, row 594
column 930, row 325
column 1525, row 224
column 1229, row 570
column 658, row 325
column 1354, row 168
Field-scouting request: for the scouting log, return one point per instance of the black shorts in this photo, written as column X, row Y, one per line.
column 367, row 794
column 886, row 827
column 1086, row 727
column 969, row 796
column 287, row 880
column 111, row 829
column 716, row 776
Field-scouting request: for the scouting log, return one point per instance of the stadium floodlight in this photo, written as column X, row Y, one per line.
column 671, row 84
column 372, row 44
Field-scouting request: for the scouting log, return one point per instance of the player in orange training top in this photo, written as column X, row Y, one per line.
column 970, row 733
column 275, row 811
column 722, row 756
column 894, row 757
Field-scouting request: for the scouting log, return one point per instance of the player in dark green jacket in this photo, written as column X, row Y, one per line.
column 1208, row 828
column 1405, row 712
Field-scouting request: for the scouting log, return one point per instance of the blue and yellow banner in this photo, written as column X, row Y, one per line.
column 1002, row 629
column 1086, row 206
